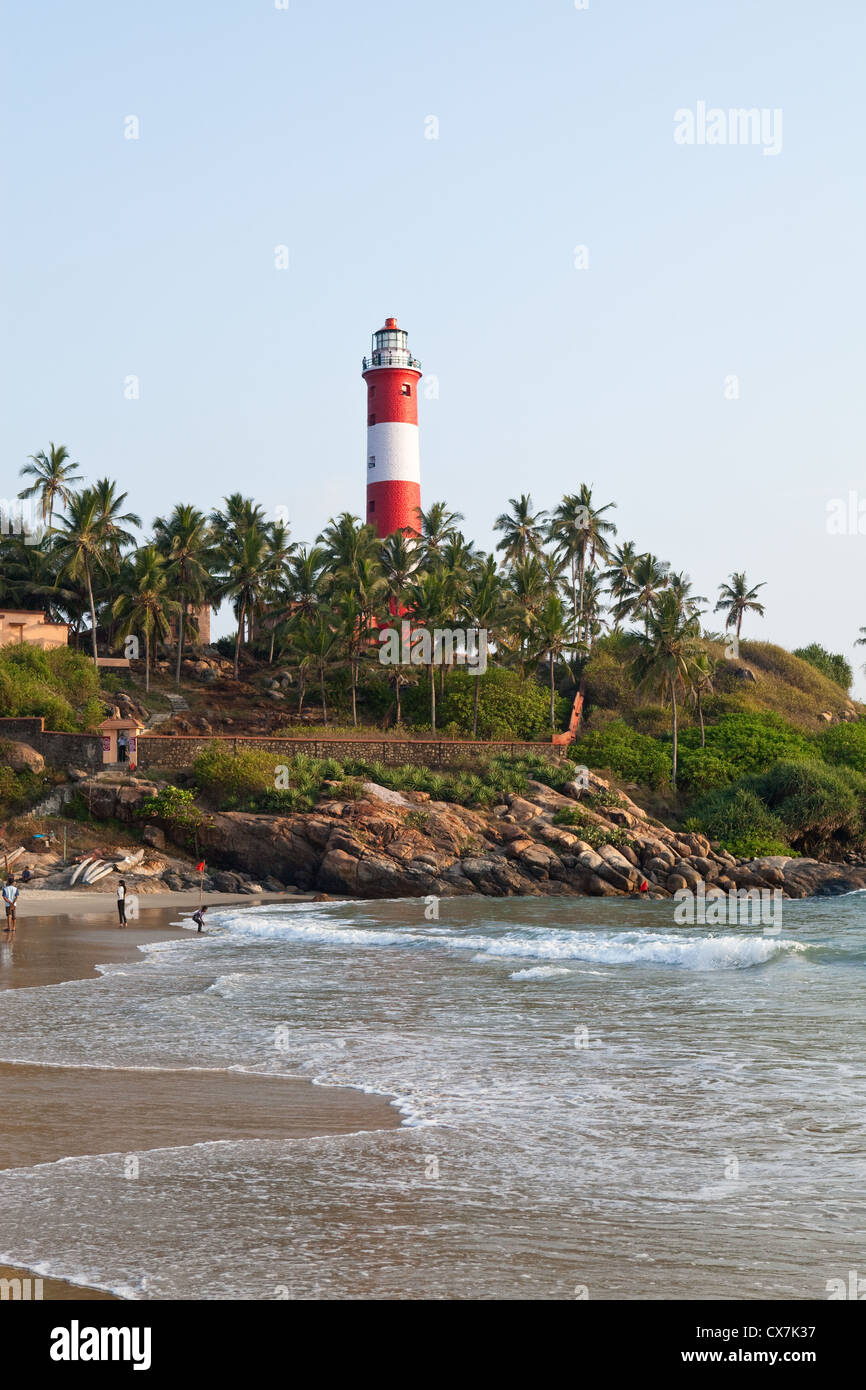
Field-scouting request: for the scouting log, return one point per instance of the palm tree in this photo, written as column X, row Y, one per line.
column 522, row 529
column 650, row 576
column 184, row 541
column 666, row 656
column 243, row 579
column 483, row 605
column 146, row 605
column 552, row 633
column 317, row 644
column 347, row 542
column 239, row 515
column 580, row 533
column 702, row 684
column 861, row 640
column 681, row 585
column 438, row 526
column 620, row 575
column 81, row 547
column 279, row 551
column 305, row 578
column 738, row 599
column 429, row 604
column 54, row 473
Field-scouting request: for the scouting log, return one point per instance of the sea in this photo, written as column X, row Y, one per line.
column 595, row 1103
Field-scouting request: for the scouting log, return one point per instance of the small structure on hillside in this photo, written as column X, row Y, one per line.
column 120, row 740
column 33, row 628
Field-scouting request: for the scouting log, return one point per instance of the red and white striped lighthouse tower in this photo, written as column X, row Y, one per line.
column 393, row 461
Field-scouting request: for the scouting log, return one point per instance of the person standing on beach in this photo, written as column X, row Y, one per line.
column 121, row 902
column 10, row 900
column 198, row 918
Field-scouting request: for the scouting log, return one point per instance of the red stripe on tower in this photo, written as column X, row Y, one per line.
column 393, row 459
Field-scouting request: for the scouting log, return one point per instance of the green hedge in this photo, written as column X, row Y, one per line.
column 60, row 685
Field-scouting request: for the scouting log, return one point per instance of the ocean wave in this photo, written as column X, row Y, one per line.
column 648, row 948
column 702, row 950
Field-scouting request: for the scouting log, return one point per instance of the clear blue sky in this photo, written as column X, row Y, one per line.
column 306, row 126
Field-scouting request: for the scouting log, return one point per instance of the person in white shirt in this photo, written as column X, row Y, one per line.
column 10, row 900
column 121, row 903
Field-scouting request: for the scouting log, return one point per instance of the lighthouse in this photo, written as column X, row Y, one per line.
column 392, row 375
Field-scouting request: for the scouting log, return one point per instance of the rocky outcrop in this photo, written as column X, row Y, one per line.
column 389, row 844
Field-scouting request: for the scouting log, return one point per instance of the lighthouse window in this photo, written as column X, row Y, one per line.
column 371, row 461
column 372, row 506
column 407, row 389
column 371, row 419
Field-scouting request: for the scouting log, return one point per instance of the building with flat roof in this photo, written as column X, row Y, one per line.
column 22, row 625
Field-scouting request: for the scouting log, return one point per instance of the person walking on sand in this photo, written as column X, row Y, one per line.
column 121, row 903
column 10, row 900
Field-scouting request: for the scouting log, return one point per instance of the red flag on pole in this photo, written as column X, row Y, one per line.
column 200, row 867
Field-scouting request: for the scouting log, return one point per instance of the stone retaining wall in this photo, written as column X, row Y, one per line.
column 180, row 751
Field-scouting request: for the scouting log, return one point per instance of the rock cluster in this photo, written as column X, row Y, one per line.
column 388, row 844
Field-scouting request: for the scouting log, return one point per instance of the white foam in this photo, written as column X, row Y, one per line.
column 539, row 972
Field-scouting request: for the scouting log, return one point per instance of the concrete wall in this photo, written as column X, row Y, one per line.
column 179, row 751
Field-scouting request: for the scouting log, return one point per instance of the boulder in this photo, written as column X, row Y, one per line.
column 152, row 835
column 20, row 757
column 391, row 798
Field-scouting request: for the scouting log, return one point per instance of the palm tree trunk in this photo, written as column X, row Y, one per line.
column 92, row 609
column 701, row 718
column 552, row 725
column 475, row 707
column 324, row 702
column 180, row 619
column 354, row 672
column 271, row 655
column 146, row 658
column 674, row 734
column 301, row 690
column 238, row 638
column 433, row 698
column 397, row 692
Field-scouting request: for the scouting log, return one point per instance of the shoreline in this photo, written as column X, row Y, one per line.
column 50, row 1112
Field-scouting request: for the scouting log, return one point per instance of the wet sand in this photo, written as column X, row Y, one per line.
column 48, row 1113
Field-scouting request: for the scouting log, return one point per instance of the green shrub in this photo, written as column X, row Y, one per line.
column 818, row 805
column 510, row 706
column 627, row 753
column 831, row 664
column 738, row 818
column 607, row 681
column 844, row 745
column 61, row 685
column 176, row 808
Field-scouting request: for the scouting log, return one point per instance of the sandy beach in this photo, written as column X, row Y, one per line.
column 52, row 1112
